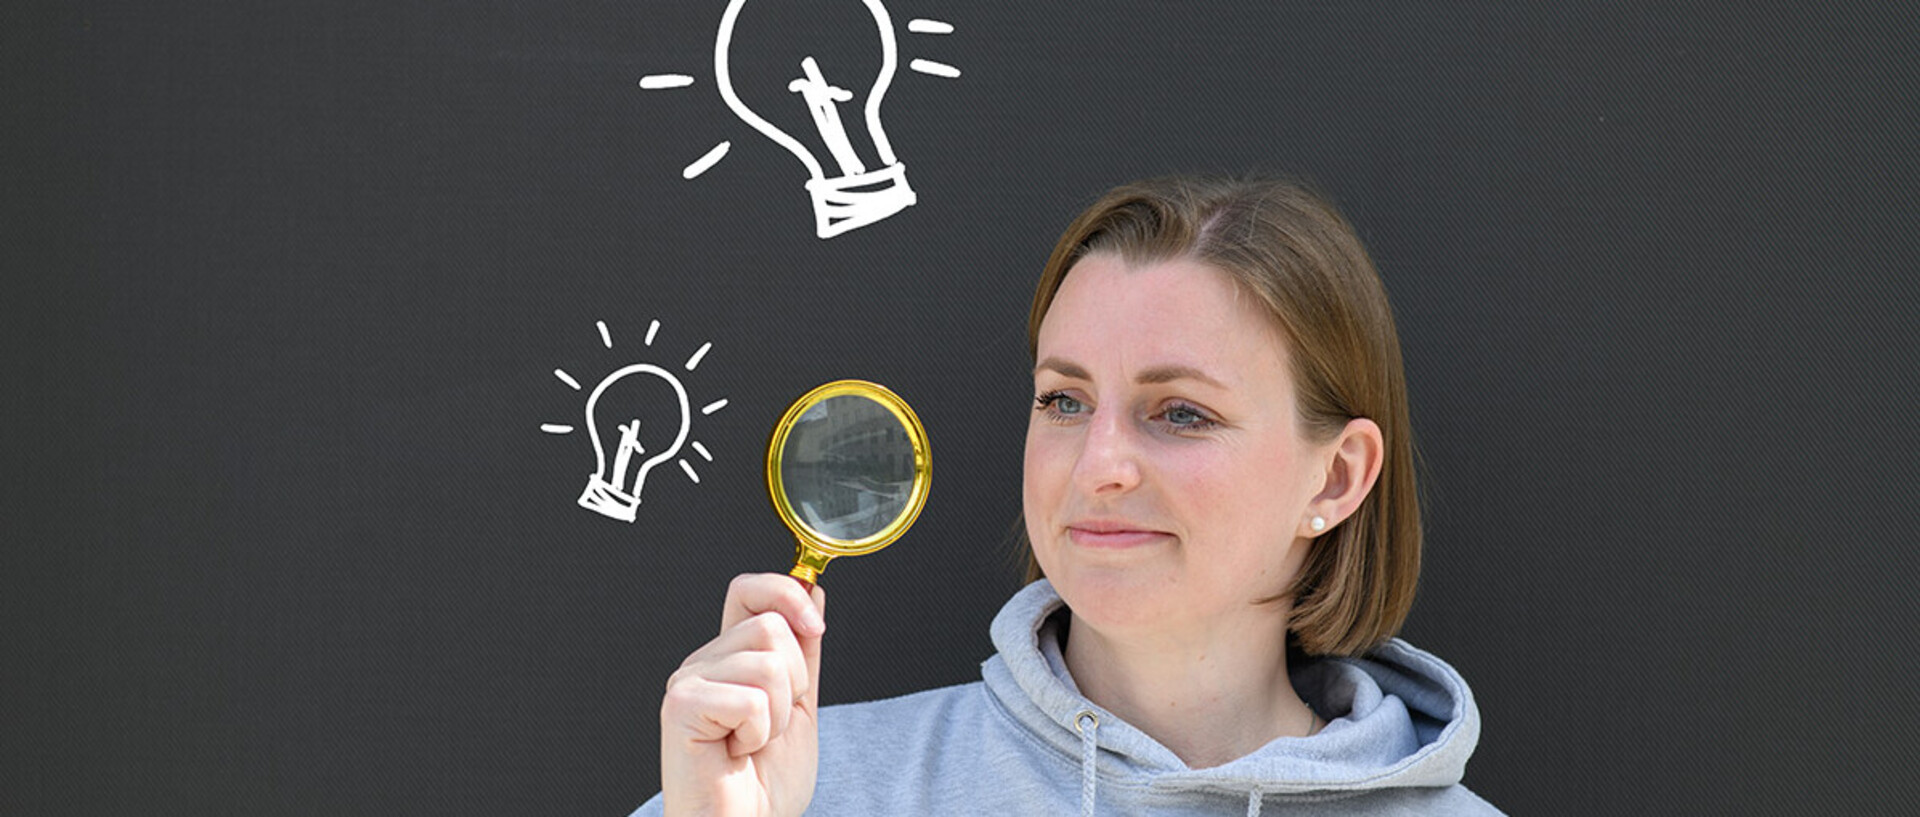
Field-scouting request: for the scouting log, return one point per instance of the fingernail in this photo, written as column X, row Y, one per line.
column 811, row 620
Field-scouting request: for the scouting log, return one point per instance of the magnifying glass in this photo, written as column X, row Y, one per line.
column 848, row 470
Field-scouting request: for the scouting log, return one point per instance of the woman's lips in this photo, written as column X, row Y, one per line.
column 1113, row 536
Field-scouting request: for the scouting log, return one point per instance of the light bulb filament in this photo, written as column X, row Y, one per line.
column 629, row 446
column 820, row 97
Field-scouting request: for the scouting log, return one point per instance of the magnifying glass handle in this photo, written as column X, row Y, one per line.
column 808, row 564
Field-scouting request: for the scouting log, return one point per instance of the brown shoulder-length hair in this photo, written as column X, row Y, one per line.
column 1290, row 249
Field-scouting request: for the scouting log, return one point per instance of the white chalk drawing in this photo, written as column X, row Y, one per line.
column 614, row 490
column 711, row 158
column 855, row 195
column 655, row 82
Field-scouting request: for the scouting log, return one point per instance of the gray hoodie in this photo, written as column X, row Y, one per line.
column 1401, row 724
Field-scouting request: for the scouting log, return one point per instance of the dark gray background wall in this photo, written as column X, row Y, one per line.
column 284, row 287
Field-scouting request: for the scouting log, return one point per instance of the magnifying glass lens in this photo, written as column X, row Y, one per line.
column 848, row 471
column 849, row 467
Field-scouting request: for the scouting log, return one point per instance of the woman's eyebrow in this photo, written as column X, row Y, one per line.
column 1065, row 368
column 1172, row 372
column 1151, row 376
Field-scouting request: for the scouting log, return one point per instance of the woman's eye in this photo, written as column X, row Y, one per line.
column 1184, row 417
column 1059, row 404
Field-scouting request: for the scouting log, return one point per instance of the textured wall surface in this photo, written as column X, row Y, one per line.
column 285, row 287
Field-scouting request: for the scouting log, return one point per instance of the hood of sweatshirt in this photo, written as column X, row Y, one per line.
column 1396, row 717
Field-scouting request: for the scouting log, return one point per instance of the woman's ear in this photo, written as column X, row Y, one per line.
column 1353, row 466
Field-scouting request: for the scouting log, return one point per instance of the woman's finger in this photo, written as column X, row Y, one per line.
column 751, row 594
column 763, row 633
column 810, row 648
column 770, row 673
column 707, row 711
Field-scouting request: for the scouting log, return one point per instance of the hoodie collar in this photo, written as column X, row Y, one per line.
column 1397, row 716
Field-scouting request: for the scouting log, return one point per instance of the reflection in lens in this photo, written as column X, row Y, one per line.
column 847, row 467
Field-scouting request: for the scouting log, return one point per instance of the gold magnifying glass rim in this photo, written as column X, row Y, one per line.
column 922, row 467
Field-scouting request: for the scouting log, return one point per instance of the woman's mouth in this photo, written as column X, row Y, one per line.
column 1111, row 534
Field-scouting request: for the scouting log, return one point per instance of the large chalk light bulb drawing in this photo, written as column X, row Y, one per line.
column 613, row 489
column 857, row 196
column 850, row 195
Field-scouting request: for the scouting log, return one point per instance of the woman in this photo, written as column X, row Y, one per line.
column 1219, row 497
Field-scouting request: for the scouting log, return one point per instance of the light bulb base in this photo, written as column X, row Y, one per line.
column 856, row 200
column 603, row 498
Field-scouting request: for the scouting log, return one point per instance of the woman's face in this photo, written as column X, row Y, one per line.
column 1167, row 479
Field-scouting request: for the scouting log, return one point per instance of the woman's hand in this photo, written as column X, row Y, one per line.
column 739, row 733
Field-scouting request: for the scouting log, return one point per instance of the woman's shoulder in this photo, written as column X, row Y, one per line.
column 904, row 714
column 922, row 753
column 1457, row 800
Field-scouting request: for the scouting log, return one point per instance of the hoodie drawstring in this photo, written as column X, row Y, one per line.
column 1088, row 723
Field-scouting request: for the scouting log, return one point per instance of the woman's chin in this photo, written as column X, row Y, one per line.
column 1111, row 597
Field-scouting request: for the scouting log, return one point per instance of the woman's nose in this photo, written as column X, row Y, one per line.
column 1109, row 457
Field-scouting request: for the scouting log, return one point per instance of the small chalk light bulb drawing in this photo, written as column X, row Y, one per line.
column 856, row 195
column 613, row 489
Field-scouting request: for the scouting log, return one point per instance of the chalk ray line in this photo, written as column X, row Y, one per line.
column 556, row 428
column 938, row 69
column 705, row 163
column 604, row 337
column 656, row 82
column 567, row 378
column 694, row 361
column 926, row 26
column 651, row 330
column 704, row 453
column 690, row 474
column 714, row 406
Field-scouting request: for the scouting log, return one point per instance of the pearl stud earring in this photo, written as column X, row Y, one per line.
column 1317, row 523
